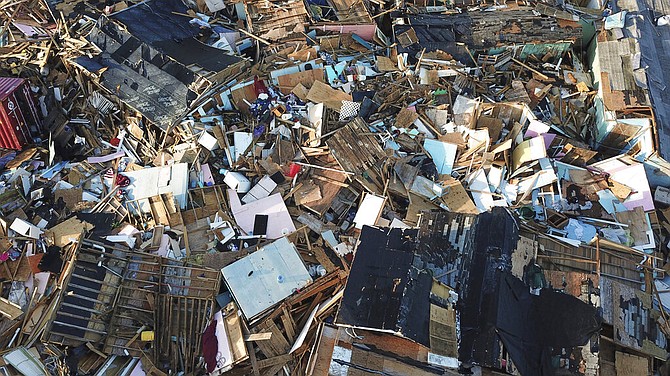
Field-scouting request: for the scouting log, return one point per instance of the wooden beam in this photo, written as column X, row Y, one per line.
column 9, row 309
column 540, row 74
column 98, row 352
column 313, row 305
column 289, row 326
column 274, row 361
column 273, row 371
column 257, row 337
column 264, row 41
column 252, row 358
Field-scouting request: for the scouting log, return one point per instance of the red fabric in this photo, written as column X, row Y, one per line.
column 210, row 346
column 259, row 86
column 122, row 181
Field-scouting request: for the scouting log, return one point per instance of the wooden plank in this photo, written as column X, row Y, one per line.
column 323, row 259
column 253, row 359
column 321, row 358
column 273, row 370
column 277, row 344
column 258, row 337
column 307, row 78
column 98, row 352
column 277, row 360
column 315, row 302
column 159, row 211
column 9, row 309
column 322, row 284
column 233, row 323
column 289, row 326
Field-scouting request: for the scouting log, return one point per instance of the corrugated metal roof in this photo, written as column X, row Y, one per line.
column 8, row 85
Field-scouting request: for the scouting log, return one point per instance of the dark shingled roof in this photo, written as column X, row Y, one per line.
column 149, row 58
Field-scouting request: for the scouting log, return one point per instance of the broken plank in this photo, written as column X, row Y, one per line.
column 257, row 337
column 274, row 361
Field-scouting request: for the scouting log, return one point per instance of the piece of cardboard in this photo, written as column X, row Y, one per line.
column 323, row 93
column 67, row 231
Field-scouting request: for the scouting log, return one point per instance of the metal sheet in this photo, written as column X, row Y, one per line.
column 266, row 277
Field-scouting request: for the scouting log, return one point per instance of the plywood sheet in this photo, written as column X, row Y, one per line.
column 384, row 64
column 456, row 198
column 71, row 196
column 637, row 225
column 65, row 232
column 331, row 98
column 494, row 126
column 405, row 118
column 17, row 270
column 309, row 192
column 630, row 365
column 307, row 78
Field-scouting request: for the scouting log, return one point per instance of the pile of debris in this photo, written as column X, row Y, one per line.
column 331, row 188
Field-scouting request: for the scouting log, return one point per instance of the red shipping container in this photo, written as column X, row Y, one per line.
column 18, row 113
